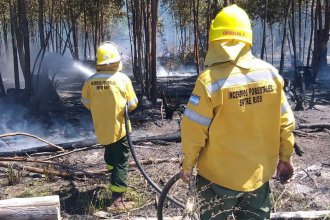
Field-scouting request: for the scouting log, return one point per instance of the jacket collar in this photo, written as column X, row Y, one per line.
column 234, row 51
column 109, row 69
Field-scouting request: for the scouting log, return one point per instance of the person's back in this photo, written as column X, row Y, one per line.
column 246, row 98
column 106, row 94
column 108, row 97
column 237, row 126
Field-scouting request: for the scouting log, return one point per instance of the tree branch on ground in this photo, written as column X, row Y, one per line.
column 71, row 172
column 33, row 136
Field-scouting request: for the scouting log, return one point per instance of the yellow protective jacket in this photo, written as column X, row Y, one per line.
column 105, row 94
column 237, row 123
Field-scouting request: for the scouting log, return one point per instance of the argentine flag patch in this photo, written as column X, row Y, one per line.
column 194, row 99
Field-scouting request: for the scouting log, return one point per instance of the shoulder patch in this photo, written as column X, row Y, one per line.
column 194, row 99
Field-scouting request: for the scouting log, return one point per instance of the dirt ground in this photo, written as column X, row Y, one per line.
column 87, row 198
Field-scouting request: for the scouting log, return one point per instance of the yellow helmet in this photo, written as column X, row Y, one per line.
column 231, row 22
column 107, row 53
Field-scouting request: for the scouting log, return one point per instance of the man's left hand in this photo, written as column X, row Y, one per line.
column 284, row 172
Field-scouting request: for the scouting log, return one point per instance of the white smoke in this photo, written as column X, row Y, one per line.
column 183, row 70
column 51, row 127
column 51, row 122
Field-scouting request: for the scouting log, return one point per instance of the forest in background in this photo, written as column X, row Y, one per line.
column 294, row 30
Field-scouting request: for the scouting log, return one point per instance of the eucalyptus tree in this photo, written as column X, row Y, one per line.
column 4, row 19
column 143, row 24
column 193, row 18
column 57, row 25
column 321, row 35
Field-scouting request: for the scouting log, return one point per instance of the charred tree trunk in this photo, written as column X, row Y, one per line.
column 130, row 35
column 136, row 74
column 146, row 12
column 102, row 32
column 284, row 37
column 313, row 18
column 263, row 46
column 74, row 35
column 19, row 36
column 321, row 36
column 2, row 87
column 136, row 9
column 144, row 19
column 153, row 63
column 5, row 32
column 272, row 38
column 299, row 31
column 59, row 29
column 57, row 37
column 141, row 41
column 305, row 31
column 311, row 34
column 139, row 48
column 293, row 35
column 26, row 38
column 196, row 33
column 51, row 29
column 325, row 35
column 96, row 26
column 41, row 23
column 317, row 36
column 299, row 86
column 13, row 22
column 86, row 33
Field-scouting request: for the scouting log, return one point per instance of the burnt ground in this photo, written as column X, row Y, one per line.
column 87, row 198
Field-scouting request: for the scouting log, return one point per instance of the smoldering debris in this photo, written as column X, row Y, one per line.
column 17, row 118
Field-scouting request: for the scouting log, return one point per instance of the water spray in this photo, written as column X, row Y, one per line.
column 83, row 69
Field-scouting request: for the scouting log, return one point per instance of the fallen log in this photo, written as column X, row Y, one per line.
column 68, row 170
column 65, row 146
column 314, row 126
column 41, row 208
column 91, row 143
column 68, row 173
column 175, row 137
column 86, row 143
column 64, row 174
column 32, row 136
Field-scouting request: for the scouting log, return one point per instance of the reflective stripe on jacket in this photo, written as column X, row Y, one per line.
column 105, row 95
column 237, row 124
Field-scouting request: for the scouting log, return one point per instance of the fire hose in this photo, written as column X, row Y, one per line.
column 163, row 192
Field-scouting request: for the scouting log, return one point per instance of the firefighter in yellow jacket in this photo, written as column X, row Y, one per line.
column 106, row 94
column 237, row 127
